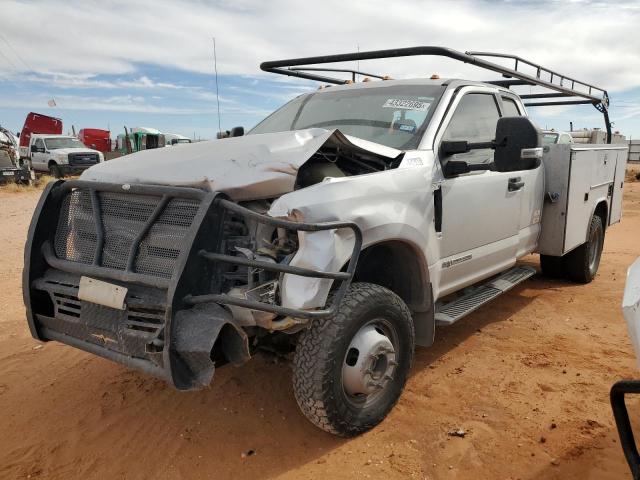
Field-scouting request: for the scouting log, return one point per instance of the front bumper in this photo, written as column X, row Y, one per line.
column 15, row 175
column 162, row 244
column 68, row 169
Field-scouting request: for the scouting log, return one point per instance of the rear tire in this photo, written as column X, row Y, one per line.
column 583, row 262
column 552, row 267
column 349, row 370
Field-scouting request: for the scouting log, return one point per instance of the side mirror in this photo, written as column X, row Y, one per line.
column 452, row 147
column 237, row 132
column 34, row 149
column 513, row 135
column 456, row 167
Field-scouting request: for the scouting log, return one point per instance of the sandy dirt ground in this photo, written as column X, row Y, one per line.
column 526, row 377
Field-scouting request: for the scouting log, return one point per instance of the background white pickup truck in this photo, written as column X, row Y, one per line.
column 60, row 154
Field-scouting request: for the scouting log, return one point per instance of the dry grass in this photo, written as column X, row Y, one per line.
column 633, row 173
column 40, row 182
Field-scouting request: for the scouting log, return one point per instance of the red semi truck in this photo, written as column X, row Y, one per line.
column 37, row 123
column 96, row 139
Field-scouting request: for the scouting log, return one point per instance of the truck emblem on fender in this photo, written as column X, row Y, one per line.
column 455, row 261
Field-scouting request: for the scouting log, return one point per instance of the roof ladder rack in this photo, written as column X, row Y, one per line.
column 561, row 86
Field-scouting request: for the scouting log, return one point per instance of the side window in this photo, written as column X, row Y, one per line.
column 474, row 120
column 39, row 143
column 564, row 138
column 510, row 108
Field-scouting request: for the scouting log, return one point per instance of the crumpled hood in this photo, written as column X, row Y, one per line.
column 248, row 167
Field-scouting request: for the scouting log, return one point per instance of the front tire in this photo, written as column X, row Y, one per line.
column 583, row 262
column 55, row 171
column 349, row 370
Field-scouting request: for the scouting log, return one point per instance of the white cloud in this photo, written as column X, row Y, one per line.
column 127, row 104
column 89, row 80
column 594, row 41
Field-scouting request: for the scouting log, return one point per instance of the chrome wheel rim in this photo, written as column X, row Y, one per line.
column 370, row 363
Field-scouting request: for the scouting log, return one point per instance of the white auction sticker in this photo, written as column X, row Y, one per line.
column 406, row 104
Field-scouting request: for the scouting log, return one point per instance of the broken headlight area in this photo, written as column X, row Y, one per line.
column 253, row 243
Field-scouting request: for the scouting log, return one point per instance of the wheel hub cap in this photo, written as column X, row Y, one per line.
column 370, row 362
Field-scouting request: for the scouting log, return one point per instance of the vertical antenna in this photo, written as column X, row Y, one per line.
column 215, row 66
column 358, row 61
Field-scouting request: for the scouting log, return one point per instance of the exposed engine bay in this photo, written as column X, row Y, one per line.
column 339, row 161
column 257, row 241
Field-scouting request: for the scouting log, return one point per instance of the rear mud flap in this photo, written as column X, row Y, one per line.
column 203, row 334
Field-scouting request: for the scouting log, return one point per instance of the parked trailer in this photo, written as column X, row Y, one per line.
column 634, row 151
column 139, row 138
column 596, row 136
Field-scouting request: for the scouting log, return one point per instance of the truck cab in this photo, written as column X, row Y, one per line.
column 61, row 155
column 139, row 139
column 172, row 139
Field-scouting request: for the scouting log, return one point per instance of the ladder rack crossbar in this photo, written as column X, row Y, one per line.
column 300, row 67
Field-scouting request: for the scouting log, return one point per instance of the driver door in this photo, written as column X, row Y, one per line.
column 480, row 209
column 38, row 158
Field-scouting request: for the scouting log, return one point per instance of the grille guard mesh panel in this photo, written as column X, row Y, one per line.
column 124, row 220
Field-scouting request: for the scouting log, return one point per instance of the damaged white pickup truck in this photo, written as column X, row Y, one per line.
column 341, row 228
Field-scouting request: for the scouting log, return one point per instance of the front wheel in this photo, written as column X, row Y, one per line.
column 349, row 370
column 55, row 171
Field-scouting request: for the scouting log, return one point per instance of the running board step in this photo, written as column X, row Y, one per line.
column 451, row 312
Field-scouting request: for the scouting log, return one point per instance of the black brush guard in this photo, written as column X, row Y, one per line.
column 621, row 416
column 173, row 326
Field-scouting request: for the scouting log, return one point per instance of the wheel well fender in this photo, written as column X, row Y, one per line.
column 402, row 268
column 398, row 266
column 602, row 210
column 51, row 163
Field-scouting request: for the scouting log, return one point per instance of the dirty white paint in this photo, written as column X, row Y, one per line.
column 631, row 306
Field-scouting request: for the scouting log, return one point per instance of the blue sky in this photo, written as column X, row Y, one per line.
column 116, row 63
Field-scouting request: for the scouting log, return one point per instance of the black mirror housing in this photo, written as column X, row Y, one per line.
column 456, row 167
column 453, row 147
column 237, row 132
column 34, row 149
column 513, row 134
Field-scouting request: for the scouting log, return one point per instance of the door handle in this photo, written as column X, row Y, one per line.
column 515, row 183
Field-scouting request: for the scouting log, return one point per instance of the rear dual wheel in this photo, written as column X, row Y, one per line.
column 583, row 262
column 580, row 265
column 350, row 369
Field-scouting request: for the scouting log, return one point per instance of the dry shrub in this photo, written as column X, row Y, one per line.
column 633, row 174
column 40, row 182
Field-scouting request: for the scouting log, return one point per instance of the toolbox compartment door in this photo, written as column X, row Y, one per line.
column 616, row 200
column 576, row 179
